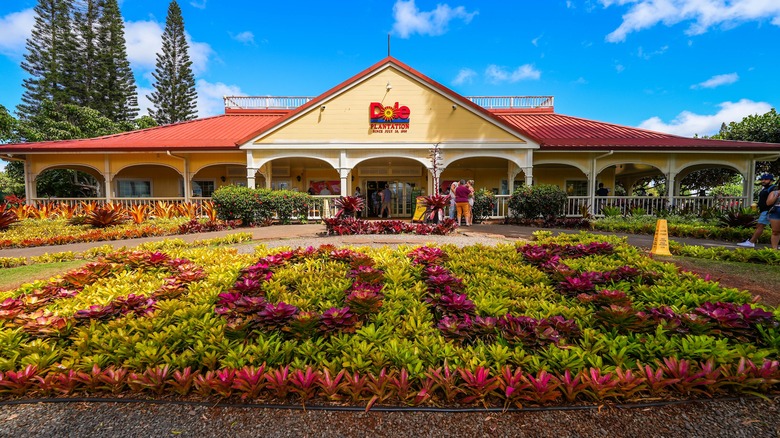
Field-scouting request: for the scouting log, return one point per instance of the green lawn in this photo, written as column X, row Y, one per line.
column 12, row 278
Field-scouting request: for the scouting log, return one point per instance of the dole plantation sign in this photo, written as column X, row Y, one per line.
column 388, row 119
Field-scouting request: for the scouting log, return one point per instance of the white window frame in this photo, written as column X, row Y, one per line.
column 120, row 180
column 276, row 184
column 200, row 180
column 578, row 180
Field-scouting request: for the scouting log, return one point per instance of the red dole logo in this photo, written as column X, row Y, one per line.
column 379, row 113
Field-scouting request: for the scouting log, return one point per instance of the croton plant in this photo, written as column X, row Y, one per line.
column 563, row 320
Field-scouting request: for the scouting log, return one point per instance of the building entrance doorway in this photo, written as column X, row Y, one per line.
column 402, row 203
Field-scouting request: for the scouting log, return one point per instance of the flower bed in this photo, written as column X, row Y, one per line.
column 57, row 231
column 678, row 227
column 349, row 226
column 764, row 256
column 568, row 319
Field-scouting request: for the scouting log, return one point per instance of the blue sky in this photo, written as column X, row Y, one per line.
column 679, row 66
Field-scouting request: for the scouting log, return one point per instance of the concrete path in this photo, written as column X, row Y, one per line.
column 311, row 233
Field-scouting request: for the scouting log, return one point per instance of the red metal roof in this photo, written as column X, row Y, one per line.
column 560, row 132
column 210, row 133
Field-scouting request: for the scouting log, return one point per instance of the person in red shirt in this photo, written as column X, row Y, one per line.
column 462, row 201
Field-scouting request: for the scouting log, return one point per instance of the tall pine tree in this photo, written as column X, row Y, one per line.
column 114, row 88
column 85, row 23
column 50, row 59
column 174, row 97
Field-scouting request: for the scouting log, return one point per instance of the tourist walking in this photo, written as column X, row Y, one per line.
column 386, row 196
column 774, row 216
column 763, row 210
column 462, row 201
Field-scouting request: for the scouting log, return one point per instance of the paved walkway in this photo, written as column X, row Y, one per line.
column 311, row 233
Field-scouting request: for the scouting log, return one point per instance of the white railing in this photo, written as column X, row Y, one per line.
column 653, row 204
column 512, row 102
column 265, row 102
column 324, row 207
column 292, row 102
column 626, row 204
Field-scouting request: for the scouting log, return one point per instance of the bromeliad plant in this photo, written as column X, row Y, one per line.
column 246, row 307
column 349, row 206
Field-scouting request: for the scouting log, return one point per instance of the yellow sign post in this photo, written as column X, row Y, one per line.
column 419, row 211
column 661, row 239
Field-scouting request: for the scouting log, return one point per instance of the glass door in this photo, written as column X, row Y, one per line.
column 403, row 202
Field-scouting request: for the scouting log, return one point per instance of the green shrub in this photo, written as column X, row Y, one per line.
column 234, row 202
column 290, row 205
column 533, row 201
column 264, row 206
column 608, row 211
column 484, row 202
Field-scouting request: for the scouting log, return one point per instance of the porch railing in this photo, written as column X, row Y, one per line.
column 323, row 207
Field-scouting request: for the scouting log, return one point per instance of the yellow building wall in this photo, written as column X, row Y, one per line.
column 165, row 181
column 40, row 162
column 346, row 117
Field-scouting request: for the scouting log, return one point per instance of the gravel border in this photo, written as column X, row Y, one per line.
column 708, row 418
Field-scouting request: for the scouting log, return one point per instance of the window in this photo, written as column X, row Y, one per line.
column 281, row 184
column 505, row 186
column 204, row 188
column 576, row 187
column 134, row 188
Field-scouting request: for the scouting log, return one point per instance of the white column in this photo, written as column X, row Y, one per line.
column 29, row 183
column 187, row 185
column 511, row 172
column 107, row 182
column 592, row 190
column 434, row 180
column 529, row 175
column 250, row 177
column 671, row 185
column 748, row 188
column 344, row 176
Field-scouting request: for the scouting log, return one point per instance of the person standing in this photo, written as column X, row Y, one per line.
column 357, row 192
column 602, row 191
column 470, row 217
column 453, row 187
column 387, row 196
column 763, row 209
column 774, row 215
column 462, row 201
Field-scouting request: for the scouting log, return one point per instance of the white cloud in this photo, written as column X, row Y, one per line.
column 619, row 68
column 703, row 14
column 144, row 41
column 15, row 28
column 144, row 104
column 410, row 20
column 647, row 55
column 246, row 37
column 496, row 74
column 717, row 81
column 535, row 41
column 199, row 4
column 465, row 75
column 688, row 124
column 210, row 96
